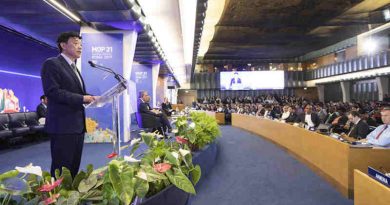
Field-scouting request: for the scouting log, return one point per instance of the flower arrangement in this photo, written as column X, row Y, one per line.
column 123, row 181
column 197, row 133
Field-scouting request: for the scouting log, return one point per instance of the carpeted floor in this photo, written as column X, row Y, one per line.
column 252, row 171
column 249, row 170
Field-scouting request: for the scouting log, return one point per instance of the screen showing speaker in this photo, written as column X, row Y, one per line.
column 252, row 80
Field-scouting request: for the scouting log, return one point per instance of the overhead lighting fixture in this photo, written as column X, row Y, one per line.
column 188, row 19
column 386, row 14
column 370, row 45
column 213, row 15
column 60, row 8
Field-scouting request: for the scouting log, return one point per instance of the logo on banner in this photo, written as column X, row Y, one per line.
column 140, row 76
column 101, row 52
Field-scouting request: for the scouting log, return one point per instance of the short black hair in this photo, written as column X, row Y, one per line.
column 43, row 97
column 354, row 113
column 65, row 36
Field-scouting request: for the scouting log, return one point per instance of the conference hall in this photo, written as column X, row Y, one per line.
column 195, row 102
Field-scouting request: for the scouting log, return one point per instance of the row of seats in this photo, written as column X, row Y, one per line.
column 14, row 126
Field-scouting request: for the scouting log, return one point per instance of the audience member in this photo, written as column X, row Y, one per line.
column 42, row 107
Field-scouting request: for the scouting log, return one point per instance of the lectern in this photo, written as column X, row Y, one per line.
column 111, row 96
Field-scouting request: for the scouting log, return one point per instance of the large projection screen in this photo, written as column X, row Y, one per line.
column 252, row 80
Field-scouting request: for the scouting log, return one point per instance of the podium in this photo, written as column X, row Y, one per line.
column 111, row 96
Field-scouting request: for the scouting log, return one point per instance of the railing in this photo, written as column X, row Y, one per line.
column 350, row 66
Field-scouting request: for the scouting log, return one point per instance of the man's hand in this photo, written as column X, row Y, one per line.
column 88, row 98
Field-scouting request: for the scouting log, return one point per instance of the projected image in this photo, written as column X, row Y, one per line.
column 252, row 80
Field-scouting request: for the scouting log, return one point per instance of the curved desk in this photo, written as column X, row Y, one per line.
column 219, row 116
column 369, row 191
column 329, row 157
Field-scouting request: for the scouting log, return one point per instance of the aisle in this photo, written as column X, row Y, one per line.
column 252, row 171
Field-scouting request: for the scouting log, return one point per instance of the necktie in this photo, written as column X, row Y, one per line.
column 379, row 134
column 77, row 74
column 352, row 128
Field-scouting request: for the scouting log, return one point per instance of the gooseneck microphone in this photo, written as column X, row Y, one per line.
column 117, row 76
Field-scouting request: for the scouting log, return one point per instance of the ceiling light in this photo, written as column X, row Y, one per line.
column 370, row 45
column 63, row 10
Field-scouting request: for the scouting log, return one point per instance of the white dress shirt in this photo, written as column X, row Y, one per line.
column 308, row 120
column 383, row 139
column 285, row 115
column 70, row 62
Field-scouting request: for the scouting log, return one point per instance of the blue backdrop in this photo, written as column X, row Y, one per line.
column 21, row 60
column 142, row 76
column 104, row 49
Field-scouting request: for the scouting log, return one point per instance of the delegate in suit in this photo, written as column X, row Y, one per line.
column 65, row 119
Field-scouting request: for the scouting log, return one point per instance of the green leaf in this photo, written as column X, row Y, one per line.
column 67, row 179
column 134, row 148
column 148, row 139
column 77, row 179
column 9, row 174
column 108, row 192
column 46, row 176
column 115, row 177
column 33, row 201
column 89, row 169
column 94, row 195
column 181, row 181
column 57, row 174
column 87, row 184
column 74, row 198
column 141, row 187
column 15, row 186
column 196, row 174
column 122, row 183
column 128, row 188
column 171, row 158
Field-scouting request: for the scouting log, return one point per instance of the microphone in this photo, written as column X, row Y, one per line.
column 117, row 76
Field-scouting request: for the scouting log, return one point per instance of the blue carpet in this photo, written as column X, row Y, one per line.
column 251, row 170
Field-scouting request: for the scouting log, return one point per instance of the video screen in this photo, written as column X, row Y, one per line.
column 252, row 80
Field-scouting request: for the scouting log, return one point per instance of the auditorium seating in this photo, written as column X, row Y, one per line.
column 17, row 126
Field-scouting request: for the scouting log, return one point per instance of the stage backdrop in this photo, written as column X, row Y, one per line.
column 104, row 49
column 21, row 60
column 142, row 76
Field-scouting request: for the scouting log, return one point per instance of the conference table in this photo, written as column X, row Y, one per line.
column 219, row 116
column 370, row 191
column 330, row 158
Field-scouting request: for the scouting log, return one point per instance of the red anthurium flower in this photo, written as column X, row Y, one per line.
column 49, row 187
column 181, row 140
column 112, row 155
column 161, row 167
column 52, row 199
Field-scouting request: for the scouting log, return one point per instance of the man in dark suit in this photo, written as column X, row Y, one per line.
column 235, row 81
column 66, row 93
column 360, row 129
column 42, row 107
column 144, row 109
column 309, row 117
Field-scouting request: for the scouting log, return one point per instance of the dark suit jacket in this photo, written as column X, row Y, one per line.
column 360, row 130
column 292, row 117
column 65, row 110
column 41, row 111
column 314, row 118
column 233, row 81
column 166, row 107
column 144, row 107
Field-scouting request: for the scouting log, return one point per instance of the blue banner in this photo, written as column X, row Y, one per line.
column 105, row 49
column 142, row 76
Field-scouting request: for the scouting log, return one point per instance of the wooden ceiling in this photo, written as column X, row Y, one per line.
column 280, row 29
